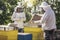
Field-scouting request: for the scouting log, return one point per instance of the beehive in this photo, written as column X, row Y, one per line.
column 37, row 33
column 9, row 35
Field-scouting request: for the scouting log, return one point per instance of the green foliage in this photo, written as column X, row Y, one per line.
column 7, row 8
column 58, row 21
column 6, row 11
column 58, row 15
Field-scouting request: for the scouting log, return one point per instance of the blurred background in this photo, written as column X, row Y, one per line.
column 7, row 8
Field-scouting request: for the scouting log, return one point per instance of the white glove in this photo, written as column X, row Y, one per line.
column 36, row 21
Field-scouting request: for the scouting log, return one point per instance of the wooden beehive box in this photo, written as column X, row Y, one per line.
column 36, row 17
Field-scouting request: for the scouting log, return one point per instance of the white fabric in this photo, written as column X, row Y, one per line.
column 48, row 20
column 18, row 19
column 19, row 5
column 23, row 33
column 44, row 4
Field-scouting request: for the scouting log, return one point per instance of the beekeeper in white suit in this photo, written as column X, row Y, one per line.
column 48, row 21
column 18, row 17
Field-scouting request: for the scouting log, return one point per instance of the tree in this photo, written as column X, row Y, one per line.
column 7, row 8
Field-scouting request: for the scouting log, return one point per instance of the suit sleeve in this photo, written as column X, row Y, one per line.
column 24, row 17
column 13, row 16
column 44, row 18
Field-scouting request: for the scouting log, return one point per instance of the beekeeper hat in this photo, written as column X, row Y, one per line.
column 44, row 4
column 19, row 4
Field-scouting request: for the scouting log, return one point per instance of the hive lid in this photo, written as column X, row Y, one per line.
column 23, row 33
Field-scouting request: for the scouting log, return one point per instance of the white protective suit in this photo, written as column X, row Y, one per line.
column 18, row 18
column 48, row 20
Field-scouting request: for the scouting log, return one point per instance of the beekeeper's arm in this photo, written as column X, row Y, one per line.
column 43, row 19
column 24, row 16
column 15, row 8
column 13, row 16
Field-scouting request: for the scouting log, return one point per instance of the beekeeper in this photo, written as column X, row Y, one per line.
column 18, row 17
column 48, row 21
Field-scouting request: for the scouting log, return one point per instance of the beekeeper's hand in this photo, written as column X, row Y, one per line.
column 31, row 21
column 37, row 21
